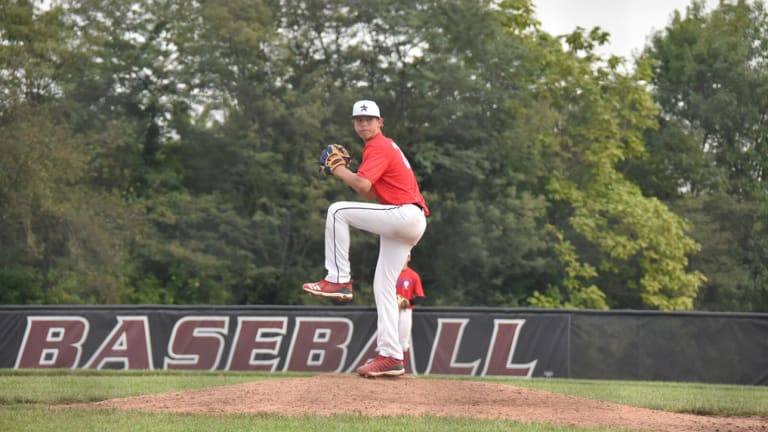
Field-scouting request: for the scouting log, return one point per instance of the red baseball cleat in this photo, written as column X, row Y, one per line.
column 324, row 288
column 382, row 366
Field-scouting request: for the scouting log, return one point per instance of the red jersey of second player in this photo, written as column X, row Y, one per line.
column 409, row 284
column 389, row 171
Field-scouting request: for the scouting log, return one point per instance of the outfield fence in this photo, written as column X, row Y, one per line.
column 729, row 348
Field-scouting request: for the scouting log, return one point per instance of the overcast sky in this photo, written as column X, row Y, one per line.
column 630, row 22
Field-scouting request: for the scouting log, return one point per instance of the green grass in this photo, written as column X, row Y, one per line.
column 52, row 419
column 35, row 401
column 693, row 398
column 60, row 387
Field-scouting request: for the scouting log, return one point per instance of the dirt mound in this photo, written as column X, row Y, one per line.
column 349, row 394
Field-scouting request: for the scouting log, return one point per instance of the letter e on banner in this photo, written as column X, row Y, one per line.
column 253, row 348
column 52, row 342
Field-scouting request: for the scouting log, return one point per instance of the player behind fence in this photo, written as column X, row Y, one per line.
column 409, row 292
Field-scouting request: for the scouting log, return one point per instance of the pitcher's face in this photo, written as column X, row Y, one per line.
column 367, row 127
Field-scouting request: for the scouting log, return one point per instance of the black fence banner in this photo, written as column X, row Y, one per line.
column 631, row 345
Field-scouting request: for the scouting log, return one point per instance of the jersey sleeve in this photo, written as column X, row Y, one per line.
column 418, row 290
column 375, row 161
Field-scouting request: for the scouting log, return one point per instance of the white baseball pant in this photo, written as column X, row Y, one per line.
column 399, row 228
column 404, row 328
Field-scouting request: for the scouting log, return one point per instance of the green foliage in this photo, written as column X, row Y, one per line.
column 169, row 155
column 71, row 233
column 734, row 251
column 605, row 224
column 708, row 159
column 710, row 82
column 20, row 286
column 577, row 275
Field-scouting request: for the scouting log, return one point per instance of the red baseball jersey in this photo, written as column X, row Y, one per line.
column 409, row 284
column 387, row 168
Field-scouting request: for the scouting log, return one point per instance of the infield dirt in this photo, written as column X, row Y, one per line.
column 350, row 394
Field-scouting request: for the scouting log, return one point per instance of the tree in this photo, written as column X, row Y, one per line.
column 613, row 238
column 61, row 241
column 708, row 158
column 201, row 124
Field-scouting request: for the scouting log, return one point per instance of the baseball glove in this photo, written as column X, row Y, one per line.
column 334, row 156
column 402, row 302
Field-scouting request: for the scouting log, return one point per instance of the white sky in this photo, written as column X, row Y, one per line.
column 630, row 22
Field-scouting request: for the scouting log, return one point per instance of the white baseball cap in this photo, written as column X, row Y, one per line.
column 365, row 108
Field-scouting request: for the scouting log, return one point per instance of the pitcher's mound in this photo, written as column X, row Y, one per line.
column 350, row 394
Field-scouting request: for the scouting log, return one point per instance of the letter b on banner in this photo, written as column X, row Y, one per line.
column 52, row 342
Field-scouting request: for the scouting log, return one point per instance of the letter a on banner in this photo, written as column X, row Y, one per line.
column 128, row 346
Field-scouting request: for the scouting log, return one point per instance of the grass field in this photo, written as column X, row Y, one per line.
column 35, row 401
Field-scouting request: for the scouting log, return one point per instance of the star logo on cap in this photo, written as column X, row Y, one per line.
column 363, row 108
